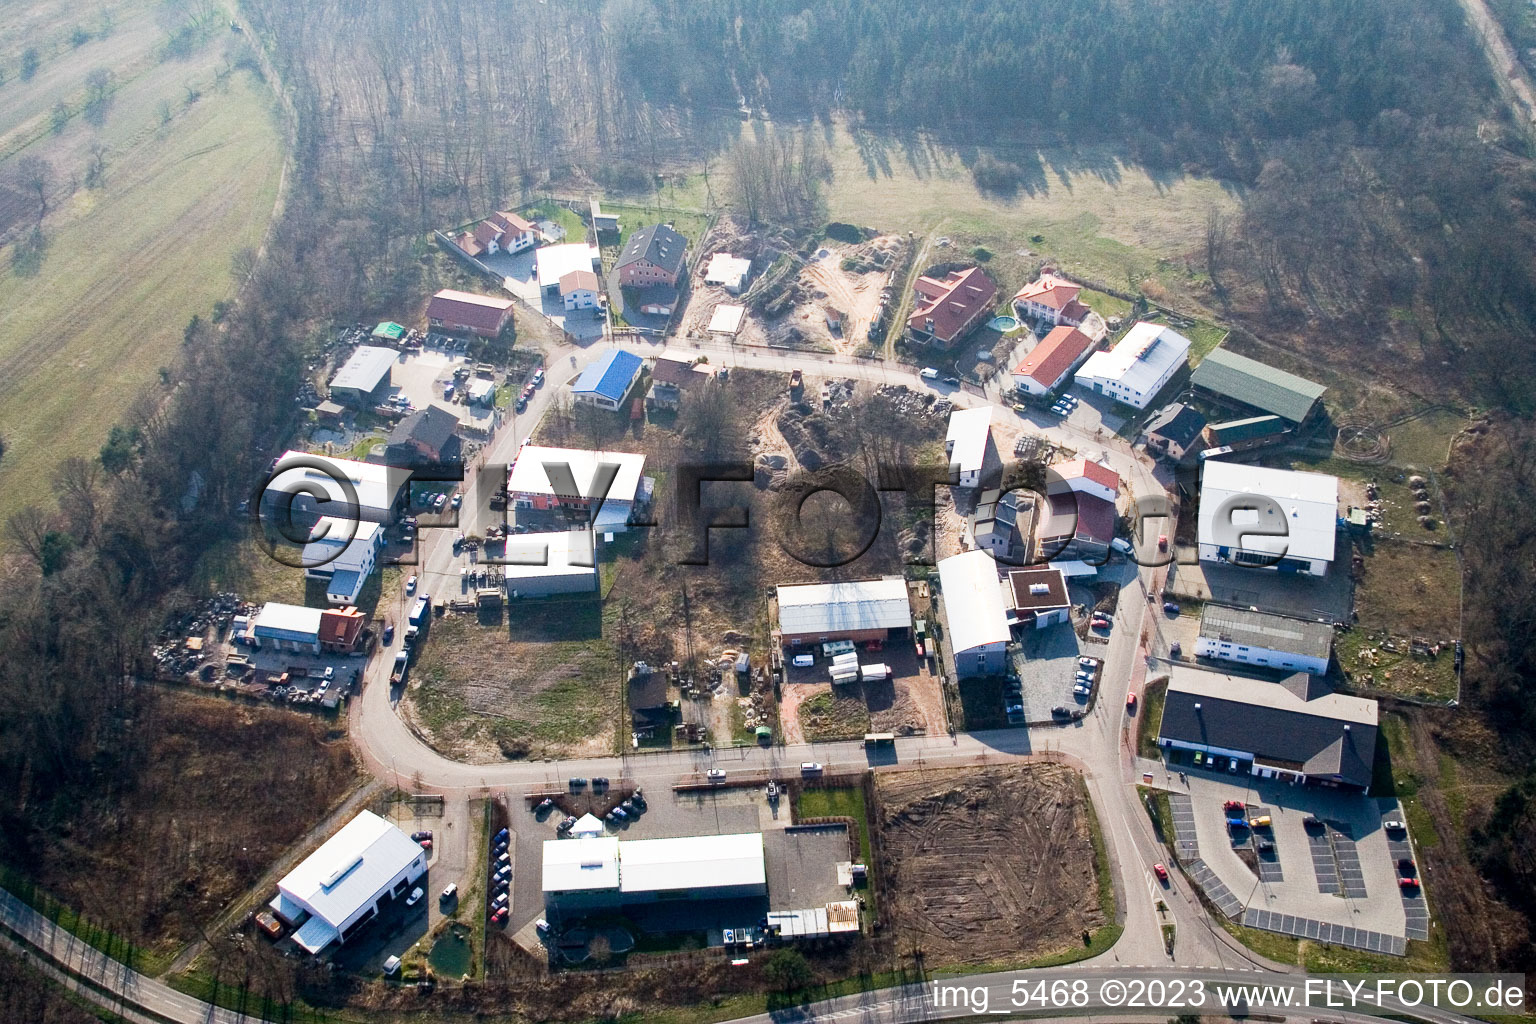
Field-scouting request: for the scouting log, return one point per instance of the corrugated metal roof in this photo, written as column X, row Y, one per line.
column 1229, row 375
column 530, row 474
column 973, row 601
column 844, row 607
column 376, row 486
column 1262, row 629
column 1140, row 359
column 351, row 868
column 365, row 368
column 287, row 621
column 609, row 376
column 692, row 862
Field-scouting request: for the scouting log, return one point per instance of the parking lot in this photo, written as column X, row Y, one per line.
column 520, row 277
column 1341, row 871
column 1047, row 665
column 420, row 377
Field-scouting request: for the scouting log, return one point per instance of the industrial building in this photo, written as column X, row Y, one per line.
column 541, row 564
column 318, row 485
column 1136, row 369
column 553, row 262
column 858, row 611
column 285, row 627
column 967, row 442
column 1295, row 730
column 570, row 479
column 343, row 554
column 364, row 379
column 1276, row 519
column 1251, row 637
column 1248, row 386
column 977, row 613
column 341, row 886
column 466, row 312
column 606, row 380
column 603, row 872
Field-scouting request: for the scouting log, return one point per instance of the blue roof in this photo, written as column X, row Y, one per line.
column 610, row 376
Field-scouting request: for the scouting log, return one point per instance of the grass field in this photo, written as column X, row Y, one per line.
column 85, row 328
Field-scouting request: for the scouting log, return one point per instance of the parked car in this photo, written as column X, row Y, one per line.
column 415, row 896
column 1262, row 821
column 1407, row 867
column 543, row 805
column 450, row 892
column 715, row 774
column 538, row 377
column 500, row 902
column 803, row 660
column 426, row 844
column 929, row 373
column 1089, row 663
column 502, row 836
column 1161, row 872
column 1408, row 883
column 522, row 403
column 1393, row 825
column 1265, row 846
column 391, row 966
column 458, row 499
column 499, row 918
column 1171, row 607
column 410, row 585
column 1081, row 690
column 1312, row 821
column 599, row 783
column 424, row 834
column 565, row 824
column 577, row 784
column 389, row 633
column 503, row 875
column 1130, row 703
column 1235, row 808
column 810, row 768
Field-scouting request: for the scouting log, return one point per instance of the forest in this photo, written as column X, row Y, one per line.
column 1381, row 187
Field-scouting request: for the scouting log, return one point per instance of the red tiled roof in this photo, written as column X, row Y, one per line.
column 674, row 371
column 1095, row 471
column 510, row 222
column 1050, row 359
column 1095, row 516
column 469, row 243
column 1075, row 310
column 578, row 280
column 479, row 312
column 1051, row 291
column 340, row 626
column 961, row 298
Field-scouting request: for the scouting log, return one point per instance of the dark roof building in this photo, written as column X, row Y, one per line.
column 648, row 705
column 1174, row 431
column 676, row 372
column 1247, row 433
column 1075, row 525
column 426, row 437
column 652, row 256
column 1294, row 730
column 1040, row 594
column 1234, row 380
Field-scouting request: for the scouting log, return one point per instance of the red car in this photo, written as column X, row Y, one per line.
column 1161, row 872
column 426, row 844
column 1130, row 703
column 499, row 918
column 1408, row 883
column 1235, row 806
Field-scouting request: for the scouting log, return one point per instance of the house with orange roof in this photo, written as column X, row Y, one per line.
column 949, row 309
column 1086, row 477
column 500, row 232
column 1051, row 300
column 1052, row 361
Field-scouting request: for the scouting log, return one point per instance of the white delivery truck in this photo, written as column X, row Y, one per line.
column 875, row 672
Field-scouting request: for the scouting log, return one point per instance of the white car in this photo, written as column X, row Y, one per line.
column 929, row 373
column 415, row 896
column 810, row 767
column 451, row 892
column 410, row 585
column 392, row 966
column 716, row 775
column 1393, row 825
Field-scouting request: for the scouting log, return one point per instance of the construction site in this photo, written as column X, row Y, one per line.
column 1023, row 833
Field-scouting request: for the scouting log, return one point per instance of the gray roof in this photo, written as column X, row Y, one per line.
column 1329, row 736
column 365, row 368
column 1229, row 375
column 658, row 244
column 848, row 607
column 431, row 427
column 1178, row 423
column 1261, row 629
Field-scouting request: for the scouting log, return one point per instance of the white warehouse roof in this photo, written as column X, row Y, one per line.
column 1309, row 501
column 537, row 555
column 844, row 607
column 1141, row 359
column 350, row 870
column 528, row 475
column 366, row 368
column 966, row 440
column 376, row 485
column 973, row 600
column 692, row 862
column 571, row 865
column 292, row 621
column 725, row 269
column 555, row 261
column 340, row 544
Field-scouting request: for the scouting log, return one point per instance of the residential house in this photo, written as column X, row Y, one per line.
column 1086, row 477
column 426, row 437
column 649, row 708
column 1174, row 432
column 341, row 629
column 1275, row 519
column 500, row 232
column 1052, row 300
column 553, row 262
column 466, row 312
column 579, row 289
column 1001, row 523
column 968, row 443
column 343, row 554
column 1136, row 369
column 1051, row 362
column 606, row 380
column 653, row 256
column 949, row 309
column 678, row 373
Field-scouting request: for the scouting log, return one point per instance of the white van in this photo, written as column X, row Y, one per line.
column 1121, row 545
column 803, row 660
column 810, row 768
column 391, row 967
column 929, row 373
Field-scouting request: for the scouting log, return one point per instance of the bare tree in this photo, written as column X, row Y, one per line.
column 77, row 484
column 28, row 527
column 35, row 175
